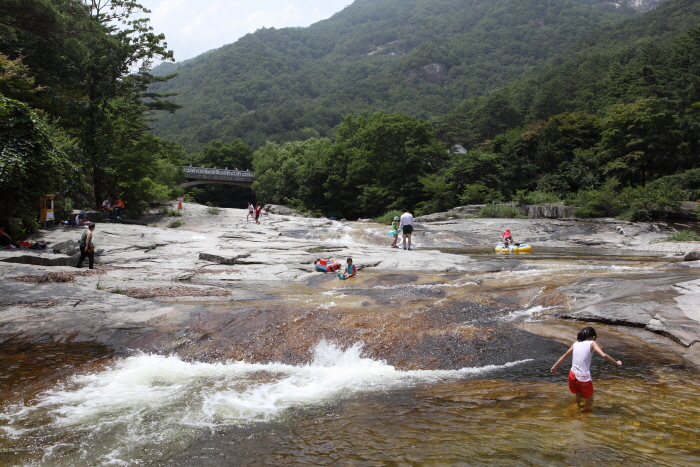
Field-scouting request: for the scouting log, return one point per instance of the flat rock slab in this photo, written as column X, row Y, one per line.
column 70, row 313
column 38, row 258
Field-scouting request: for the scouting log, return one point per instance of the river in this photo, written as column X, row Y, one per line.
column 398, row 369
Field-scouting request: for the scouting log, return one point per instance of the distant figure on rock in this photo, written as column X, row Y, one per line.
column 117, row 208
column 395, row 228
column 251, row 211
column 87, row 249
column 580, row 382
column 406, row 227
column 507, row 237
column 257, row 213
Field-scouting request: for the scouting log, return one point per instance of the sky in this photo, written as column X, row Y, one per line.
column 192, row 27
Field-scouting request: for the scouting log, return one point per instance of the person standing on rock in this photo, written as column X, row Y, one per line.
column 395, row 229
column 406, row 228
column 257, row 213
column 87, row 249
column 251, row 211
column 580, row 382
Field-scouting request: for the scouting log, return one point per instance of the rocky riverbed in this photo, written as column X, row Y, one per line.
column 218, row 287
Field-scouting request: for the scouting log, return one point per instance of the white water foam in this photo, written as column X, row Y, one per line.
column 150, row 399
column 529, row 313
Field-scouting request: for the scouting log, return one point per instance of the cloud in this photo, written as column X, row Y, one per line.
column 192, row 27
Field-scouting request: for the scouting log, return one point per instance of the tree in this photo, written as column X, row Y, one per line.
column 385, row 157
column 92, row 59
column 639, row 141
column 30, row 164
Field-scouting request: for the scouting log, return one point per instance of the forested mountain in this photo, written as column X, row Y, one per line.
column 418, row 57
column 613, row 127
column 620, row 64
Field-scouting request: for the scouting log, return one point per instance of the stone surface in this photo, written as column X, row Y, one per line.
column 277, row 255
column 693, row 255
column 220, row 259
column 39, row 258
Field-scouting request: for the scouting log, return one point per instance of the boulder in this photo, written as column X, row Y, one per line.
column 68, row 247
column 693, row 255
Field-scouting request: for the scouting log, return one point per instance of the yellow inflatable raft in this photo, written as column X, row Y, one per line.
column 522, row 248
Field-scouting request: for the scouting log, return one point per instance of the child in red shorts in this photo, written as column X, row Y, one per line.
column 580, row 382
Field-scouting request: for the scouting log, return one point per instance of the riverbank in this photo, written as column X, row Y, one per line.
column 218, row 287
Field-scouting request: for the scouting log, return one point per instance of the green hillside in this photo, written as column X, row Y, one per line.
column 634, row 59
column 418, row 57
column 613, row 127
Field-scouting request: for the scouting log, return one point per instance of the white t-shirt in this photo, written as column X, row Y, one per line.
column 406, row 219
column 581, row 360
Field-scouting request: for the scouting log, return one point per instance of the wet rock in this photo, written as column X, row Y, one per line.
column 693, row 255
column 68, row 247
column 221, row 259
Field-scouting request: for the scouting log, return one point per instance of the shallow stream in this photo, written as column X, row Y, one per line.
column 382, row 383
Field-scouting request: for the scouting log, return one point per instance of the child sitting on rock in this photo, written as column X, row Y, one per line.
column 350, row 270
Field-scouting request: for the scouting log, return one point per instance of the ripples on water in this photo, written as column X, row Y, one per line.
column 344, row 408
column 156, row 410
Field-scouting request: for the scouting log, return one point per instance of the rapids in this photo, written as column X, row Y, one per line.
column 392, row 369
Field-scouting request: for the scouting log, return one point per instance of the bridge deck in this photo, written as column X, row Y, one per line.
column 200, row 175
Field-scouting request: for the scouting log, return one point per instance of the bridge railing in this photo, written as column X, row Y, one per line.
column 217, row 174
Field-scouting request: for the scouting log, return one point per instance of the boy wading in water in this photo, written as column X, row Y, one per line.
column 580, row 382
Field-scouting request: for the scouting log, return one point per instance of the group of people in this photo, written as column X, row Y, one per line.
column 403, row 225
column 115, row 209
column 254, row 211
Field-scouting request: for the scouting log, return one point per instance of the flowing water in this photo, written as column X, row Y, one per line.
column 345, row 404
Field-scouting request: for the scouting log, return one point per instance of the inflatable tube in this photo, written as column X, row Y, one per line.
column 522, row 248
column 327, row 265
column 395, row 232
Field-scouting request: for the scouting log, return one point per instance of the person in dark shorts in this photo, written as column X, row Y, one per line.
column 406, row 228
column 87, row 249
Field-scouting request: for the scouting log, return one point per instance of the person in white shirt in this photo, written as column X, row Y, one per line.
column 580, row 381
column 406, row 228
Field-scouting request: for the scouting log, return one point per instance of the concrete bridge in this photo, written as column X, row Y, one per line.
column 202, row 175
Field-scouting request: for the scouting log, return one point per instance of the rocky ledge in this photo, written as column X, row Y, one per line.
column 152, row 283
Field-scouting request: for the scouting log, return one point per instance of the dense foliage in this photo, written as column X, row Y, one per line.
column 415, row 57
column 620, row 111
column 30, row 164
column 625, row 144
column 83, row 64
column 376, row 164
